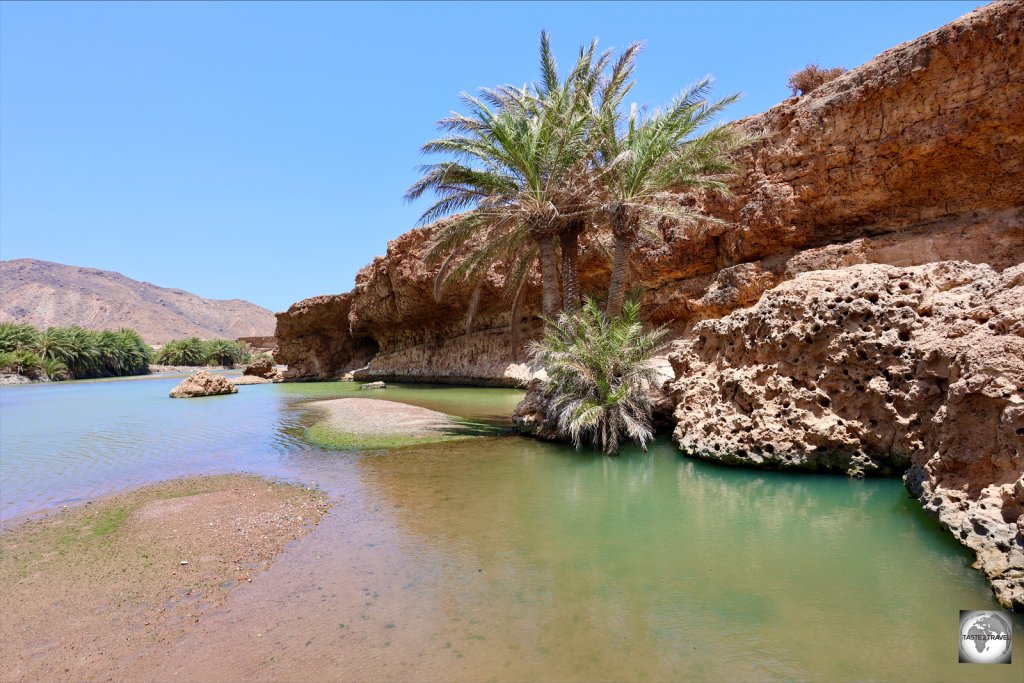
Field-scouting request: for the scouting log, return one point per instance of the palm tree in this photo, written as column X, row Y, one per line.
column 599, row 375
column 17, row 336
column 521, row 168
column 182, row 352
column 226, row 352
column 653, row 155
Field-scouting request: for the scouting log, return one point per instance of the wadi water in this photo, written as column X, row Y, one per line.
column 506, row 559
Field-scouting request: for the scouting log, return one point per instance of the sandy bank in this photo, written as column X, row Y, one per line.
column 93, row 589
column 367, row 423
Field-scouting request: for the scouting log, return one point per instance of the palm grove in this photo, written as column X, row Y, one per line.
column 531, row 172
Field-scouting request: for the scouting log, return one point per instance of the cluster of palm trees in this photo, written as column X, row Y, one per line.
column 195, row 351
column 60, row 353
column 534, row 169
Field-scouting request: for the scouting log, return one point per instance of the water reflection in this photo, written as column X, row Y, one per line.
column 508, row 559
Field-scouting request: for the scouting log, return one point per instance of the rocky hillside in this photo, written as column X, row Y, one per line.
column 43, row 294
column 861, row 311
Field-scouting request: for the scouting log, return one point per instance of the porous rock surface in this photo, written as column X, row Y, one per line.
column 203, row 383
column 873, row 369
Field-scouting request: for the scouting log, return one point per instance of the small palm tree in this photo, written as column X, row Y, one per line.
column 226, row 352
column 189, row 351
column 21, row 362
column 55, row 369
column 599, row 375
column 650, row 156
column 16, row 336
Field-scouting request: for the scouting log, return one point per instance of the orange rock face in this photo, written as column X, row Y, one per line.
column 916, row 156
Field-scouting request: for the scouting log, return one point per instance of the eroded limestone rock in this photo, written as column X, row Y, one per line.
column 203, row 383
column 874, row 369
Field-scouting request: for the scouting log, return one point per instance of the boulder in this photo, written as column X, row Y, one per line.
column 373, row 385
column 203, row 383
column 260, row 368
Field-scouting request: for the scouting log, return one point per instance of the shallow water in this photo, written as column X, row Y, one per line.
column 506, row 559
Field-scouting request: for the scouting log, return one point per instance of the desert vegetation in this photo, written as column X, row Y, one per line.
column 536, row 170
column 195, row 351
column 811, row 76
column 61, row 353
column 599, row 375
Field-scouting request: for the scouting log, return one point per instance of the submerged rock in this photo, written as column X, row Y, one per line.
column 873, row 369
column 249, row 379
column 374, row 385
column 203, row 383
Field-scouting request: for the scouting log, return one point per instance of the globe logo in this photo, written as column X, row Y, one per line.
column 985, row 637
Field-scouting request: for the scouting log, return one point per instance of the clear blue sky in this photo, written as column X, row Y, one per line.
column 260, row 151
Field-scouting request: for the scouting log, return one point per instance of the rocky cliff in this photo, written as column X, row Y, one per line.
column 46, row 294
column 915, row 157
column 859, row 312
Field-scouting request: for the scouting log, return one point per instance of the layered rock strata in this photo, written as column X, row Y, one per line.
column 916, row 156
column 858, row 309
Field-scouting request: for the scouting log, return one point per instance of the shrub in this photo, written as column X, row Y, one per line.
column 811, row 76
column 599, row 375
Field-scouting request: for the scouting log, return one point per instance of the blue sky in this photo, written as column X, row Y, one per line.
column 260, row 151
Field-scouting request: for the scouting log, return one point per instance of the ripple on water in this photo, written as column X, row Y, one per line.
column 506, row 559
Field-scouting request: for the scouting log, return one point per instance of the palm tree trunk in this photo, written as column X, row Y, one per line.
column 570, row 240
column 549, row 275
column 620, row 266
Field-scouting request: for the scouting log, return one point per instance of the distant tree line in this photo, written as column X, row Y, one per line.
column 196, row 351
column 60, row 353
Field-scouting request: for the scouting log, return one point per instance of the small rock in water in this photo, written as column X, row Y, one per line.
column 203, row 384
column 374, row 385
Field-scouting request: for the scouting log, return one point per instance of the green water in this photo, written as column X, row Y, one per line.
column 507, row 559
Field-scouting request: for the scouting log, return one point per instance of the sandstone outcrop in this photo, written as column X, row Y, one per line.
column 260, row 368
column 315, row 339
column 877, row 370
column 203, row 383
column 912, row 158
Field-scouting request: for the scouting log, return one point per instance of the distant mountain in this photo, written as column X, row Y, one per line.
column 46, row 294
